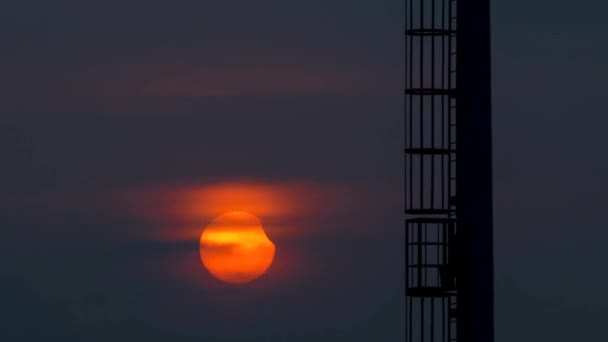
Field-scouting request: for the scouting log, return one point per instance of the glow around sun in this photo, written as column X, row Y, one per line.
column 235, row 249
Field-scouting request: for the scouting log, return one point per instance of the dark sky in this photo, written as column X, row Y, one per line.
column 110, row 109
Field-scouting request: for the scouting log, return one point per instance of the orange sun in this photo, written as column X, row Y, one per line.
column 234, row 248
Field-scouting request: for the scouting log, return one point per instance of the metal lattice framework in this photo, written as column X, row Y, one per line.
column 430, row 171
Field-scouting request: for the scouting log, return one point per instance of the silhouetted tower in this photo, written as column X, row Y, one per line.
column 448, row 172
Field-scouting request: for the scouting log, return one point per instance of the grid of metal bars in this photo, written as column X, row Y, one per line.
column 430, row 170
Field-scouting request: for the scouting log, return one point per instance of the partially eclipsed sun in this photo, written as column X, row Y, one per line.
column 234, row 248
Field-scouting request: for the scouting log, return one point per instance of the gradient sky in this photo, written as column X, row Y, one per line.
column 111, row 110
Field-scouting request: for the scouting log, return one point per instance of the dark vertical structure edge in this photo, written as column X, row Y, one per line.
column 475, row 271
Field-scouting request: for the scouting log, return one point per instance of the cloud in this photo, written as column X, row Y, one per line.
column 265, row 80
column 285, row 208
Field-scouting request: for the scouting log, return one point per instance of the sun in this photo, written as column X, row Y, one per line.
column 235, row 249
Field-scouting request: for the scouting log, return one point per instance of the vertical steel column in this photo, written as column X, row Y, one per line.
column 474, row 170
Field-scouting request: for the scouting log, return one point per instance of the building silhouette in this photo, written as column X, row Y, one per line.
column 448, row 172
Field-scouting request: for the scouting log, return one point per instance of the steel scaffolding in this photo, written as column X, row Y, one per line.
column 430, row 171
